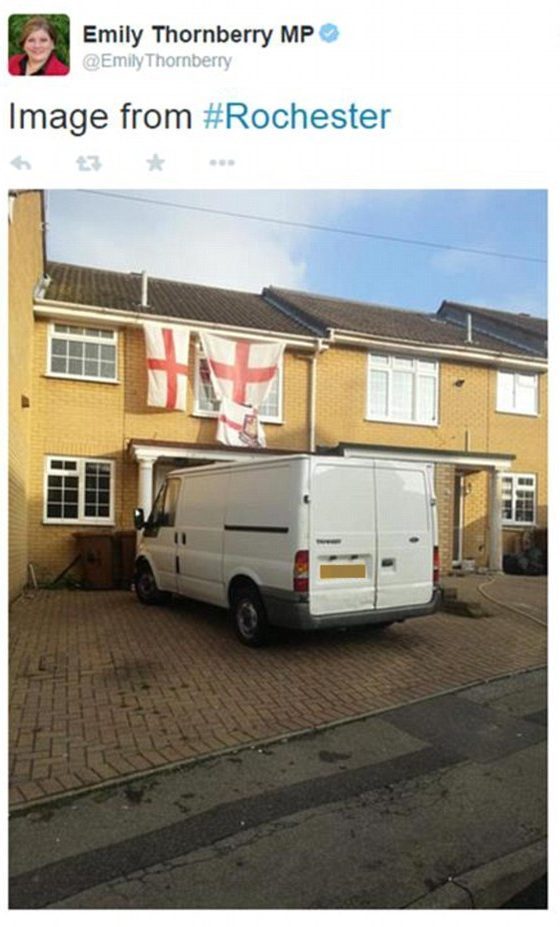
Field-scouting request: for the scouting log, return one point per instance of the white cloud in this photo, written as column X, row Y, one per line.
column 193, row 245
column 451, row 262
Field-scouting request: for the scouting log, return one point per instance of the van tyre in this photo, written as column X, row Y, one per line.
column 146, row 587
column 249, row 614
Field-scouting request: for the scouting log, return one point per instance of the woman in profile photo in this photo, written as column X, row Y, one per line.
column 38, row 40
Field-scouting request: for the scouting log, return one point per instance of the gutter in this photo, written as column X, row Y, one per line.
column 70, row 312
column 478, row 355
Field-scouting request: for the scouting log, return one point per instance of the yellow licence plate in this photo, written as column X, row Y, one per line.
column 343, row 571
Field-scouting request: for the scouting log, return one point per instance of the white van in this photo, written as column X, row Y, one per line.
column 299, row 541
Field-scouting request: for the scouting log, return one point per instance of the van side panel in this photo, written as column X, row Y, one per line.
column 369, row 526
column 200, row 536
column 265, row 523
column 405, row 535
column 342, row 537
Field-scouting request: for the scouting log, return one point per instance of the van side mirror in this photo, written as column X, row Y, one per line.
column 139, row 522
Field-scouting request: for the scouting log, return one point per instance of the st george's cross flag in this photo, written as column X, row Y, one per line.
column 241, row 371
column 239, row 426
column 167, row 357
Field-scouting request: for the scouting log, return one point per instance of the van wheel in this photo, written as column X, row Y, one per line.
column 146, row 587
column 249, row 615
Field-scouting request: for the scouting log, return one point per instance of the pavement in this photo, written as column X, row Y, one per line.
column 439, row 804
column 156, row 762
column 103, row 689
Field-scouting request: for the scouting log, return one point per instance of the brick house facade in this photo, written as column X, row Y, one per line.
column 356, row 379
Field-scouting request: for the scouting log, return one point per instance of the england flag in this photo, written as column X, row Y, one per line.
column 167, row 356
column 241, row 371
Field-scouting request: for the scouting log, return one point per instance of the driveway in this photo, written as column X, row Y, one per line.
column 104, row 688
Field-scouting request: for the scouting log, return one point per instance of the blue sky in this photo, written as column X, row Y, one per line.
column 117, row 232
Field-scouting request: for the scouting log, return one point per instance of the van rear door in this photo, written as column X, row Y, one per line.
column 342, row 541
column 406, row 533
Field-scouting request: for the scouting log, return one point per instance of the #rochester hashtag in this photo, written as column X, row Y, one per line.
column 239, row 115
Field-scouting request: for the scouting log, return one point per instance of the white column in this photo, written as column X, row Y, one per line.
column 495, row 518
column 145, row 483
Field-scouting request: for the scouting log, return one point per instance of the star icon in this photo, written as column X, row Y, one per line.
column 155, row 163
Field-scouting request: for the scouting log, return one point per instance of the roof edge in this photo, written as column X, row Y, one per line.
column 50, row 308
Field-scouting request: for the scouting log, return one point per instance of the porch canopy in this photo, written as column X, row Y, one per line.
column 155, row 458
column 465, row 461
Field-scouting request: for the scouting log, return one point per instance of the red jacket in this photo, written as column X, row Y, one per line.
column 53, row 67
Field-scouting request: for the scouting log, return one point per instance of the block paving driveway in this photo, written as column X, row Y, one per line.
column 103, row 687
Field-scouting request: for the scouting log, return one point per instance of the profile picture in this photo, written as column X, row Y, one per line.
column 39, row 45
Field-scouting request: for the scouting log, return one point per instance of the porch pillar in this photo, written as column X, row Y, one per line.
column 145, row 482
column 495, row 519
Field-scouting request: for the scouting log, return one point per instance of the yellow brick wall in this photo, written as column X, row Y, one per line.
column 99, row 420
column 78, row 418
column 476, row 525
column 467, row 422
column 465, row 412
column 527, row 436
column 444, row 486
column 25, row 269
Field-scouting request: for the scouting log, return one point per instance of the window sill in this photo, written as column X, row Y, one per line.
column 86, row 523
column 400, row 421
column 514, row 412
column 76, row 378
column 265, row 420
column 519, row 525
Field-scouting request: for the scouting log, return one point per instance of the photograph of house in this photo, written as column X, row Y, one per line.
column 462, row 387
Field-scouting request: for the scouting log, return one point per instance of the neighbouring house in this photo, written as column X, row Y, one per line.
column 26, row 264
column 355, row 379
column 413, row 385
column 517, row 329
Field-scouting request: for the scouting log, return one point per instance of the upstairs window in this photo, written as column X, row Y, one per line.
column 207, row 404
column 402, row 389
column 82, row 353
column 517, row 393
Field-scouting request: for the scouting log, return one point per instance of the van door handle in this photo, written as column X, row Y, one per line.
column 414, row 540
column 388, row 562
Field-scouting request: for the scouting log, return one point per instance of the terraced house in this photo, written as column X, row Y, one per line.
column 464, row 389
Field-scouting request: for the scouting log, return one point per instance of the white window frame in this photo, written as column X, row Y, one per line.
column 515, row 479
column 80, row 471
column 389, row 368
column 80, row 335
column 208, row 413
column 504, row 406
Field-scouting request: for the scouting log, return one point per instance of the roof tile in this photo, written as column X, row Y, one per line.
column 89, row 286
column 383, row 321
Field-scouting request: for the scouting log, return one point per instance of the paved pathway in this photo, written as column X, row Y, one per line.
column 102, row 687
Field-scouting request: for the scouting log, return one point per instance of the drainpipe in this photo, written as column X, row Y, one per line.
column 321, row 346
column 313, row 402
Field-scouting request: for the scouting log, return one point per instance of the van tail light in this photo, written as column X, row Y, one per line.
column 436, row 566
column 301, row 571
